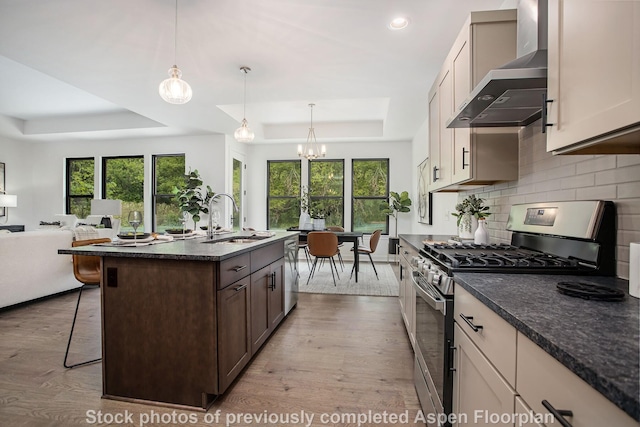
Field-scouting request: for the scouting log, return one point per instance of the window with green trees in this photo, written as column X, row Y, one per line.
column 123, row 179
column 370, row 187
column 283, row 193
column 79, row 186
column 326, row 191
column 168, row 172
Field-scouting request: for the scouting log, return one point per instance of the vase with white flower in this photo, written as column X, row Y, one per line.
column 469, row 211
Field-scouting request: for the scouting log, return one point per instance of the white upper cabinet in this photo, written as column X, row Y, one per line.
column 594, row 77
column 462, row 157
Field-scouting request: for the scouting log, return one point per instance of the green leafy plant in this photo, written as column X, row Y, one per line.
column 471, row 205
column 398, row 203
column 192, row 198
column 304, row 200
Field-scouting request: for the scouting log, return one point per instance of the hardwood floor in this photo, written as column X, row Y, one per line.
column 334, row 358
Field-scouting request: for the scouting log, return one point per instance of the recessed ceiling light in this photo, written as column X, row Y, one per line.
column 399, row 23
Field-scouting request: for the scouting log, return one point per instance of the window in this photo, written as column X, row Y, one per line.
column 370, row 186
column 79, row 183
column 168, row 172
column 326, row 190
column 237, row 193
column 123, row 179
column 283, row 192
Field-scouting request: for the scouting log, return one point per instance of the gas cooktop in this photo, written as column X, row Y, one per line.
column 497, row 257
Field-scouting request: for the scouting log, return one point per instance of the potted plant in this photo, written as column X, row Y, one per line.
column 192, row 198
column 469, row 211
column 305, row 218
column 398, row 203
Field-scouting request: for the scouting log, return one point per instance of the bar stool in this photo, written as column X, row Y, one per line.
column 86, row 269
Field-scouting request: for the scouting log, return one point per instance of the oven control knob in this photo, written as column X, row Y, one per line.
column 430, row 275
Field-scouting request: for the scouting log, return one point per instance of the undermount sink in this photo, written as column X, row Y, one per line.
column 237, row 240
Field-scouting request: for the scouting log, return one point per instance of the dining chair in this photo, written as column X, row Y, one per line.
column 323, row 245
column 340, row 244
column 304, row 246
column 373, row 245
column 86, row 269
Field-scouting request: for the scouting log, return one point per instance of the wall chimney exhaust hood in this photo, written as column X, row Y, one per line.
column 512, row 95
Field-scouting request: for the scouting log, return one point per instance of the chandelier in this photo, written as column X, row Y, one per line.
column 312, row 150
column 174, row 90
column 243, row 133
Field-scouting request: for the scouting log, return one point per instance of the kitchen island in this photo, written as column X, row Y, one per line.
column 180, row 320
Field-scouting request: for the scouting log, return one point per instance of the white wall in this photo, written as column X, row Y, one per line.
column 19, row 171
column 35, row 171
column 442, row 204
column 398, row 153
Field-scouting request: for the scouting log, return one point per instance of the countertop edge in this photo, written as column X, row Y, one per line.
column 139, row 252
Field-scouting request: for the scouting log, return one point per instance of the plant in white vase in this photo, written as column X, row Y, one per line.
column 468, row 212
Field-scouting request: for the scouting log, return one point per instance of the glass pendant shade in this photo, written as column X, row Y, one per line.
column 243, row 133
column 174, row 90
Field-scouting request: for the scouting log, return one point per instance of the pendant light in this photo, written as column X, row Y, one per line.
column 312, row 150
column 243, row 133
column 174, row 90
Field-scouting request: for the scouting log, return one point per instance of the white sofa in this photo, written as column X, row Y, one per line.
column 30, row 266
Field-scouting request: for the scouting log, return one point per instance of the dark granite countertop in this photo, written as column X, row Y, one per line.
column 190, row 249
column 598, row 341
column 417, row 240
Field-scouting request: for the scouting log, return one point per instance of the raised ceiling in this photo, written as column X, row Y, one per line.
column 88, row 69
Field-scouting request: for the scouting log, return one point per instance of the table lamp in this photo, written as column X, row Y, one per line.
column 8, row 201
column 107, row 208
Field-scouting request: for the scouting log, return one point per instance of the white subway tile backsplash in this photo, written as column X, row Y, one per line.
column 629, row 190
column 578, row 181
column 628, row 160
column 596, row 164
column 544, row 177
column 603, row 192
column 619, row 175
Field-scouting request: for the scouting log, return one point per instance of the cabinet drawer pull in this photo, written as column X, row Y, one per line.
column 464, row 152
column 239, row 268
column 559, row 414
column 435, row 173
column 545, row 101
column 239, row 288
column 272, row 286
column 468, row 320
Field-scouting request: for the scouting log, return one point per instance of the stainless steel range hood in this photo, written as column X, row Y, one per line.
column 512, row 94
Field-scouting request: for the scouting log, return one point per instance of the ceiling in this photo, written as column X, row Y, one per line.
column 88, row 69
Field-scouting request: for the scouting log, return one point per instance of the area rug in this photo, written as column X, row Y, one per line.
column 322, row 283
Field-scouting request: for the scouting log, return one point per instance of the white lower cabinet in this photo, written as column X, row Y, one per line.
column 480, row 394
column 540, row 378
column 502, row 378
column 526, row 416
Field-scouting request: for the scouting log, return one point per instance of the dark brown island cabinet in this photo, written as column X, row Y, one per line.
column 179, row 332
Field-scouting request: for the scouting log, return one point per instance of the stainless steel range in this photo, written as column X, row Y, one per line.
column 576, row 237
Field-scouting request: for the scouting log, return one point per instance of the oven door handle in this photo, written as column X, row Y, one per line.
column 436, row 304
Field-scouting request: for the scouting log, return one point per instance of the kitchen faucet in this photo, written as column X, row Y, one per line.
column 210, row 227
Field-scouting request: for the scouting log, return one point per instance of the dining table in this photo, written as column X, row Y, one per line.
column 343, row 237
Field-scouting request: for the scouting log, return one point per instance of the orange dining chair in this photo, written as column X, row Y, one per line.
column 323, row 245
column 339, row 229
column 86, row 269
column 373, row 245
